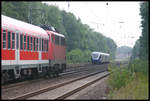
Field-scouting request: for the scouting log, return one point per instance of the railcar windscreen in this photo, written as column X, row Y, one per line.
column 94, row 55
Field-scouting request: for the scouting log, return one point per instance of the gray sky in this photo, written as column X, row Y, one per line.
column 106, row 18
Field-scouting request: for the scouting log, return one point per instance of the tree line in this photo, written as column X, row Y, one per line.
column 141, row 47
column 81, row 40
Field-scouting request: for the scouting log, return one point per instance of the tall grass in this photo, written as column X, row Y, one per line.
column 137, row 89
column 129, row 81
column 138, row 65
column 119, row 78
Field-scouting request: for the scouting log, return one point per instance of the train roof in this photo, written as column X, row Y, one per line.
column 101, row 53
column 55, row 33
column 23, row 27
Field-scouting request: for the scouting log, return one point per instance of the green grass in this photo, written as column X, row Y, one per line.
column 129, row 82
column 119, row 78
column 137, row 89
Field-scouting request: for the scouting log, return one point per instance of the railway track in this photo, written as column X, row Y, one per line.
column 97, row 76
column 26, row 88
column 7, row 87
column 77, row 70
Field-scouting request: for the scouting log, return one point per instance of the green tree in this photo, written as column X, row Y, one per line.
column 135, row 51
column 144, row 12
column 78, row 35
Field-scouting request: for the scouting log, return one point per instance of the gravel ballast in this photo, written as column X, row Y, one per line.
column 94, row 91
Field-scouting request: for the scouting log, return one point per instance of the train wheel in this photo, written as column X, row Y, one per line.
column 2, row 80
column 5, row 77
column 35, row 74
column 57, row 74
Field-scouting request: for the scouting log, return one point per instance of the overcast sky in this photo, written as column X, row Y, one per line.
column 118, row 20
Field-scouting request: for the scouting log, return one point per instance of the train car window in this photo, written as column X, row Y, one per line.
column 59, row 38
column 56, row 39
column 21, row 42
column 17, row 39
column 52, row 39
column 31, row 43
column 47, row 45
column 34, row 44
column 42, row 45
column 62, row 41
column 27, row 42
column 13, row 40
column 37, row 44
column 58, row 42
column 9, row 41
column 4, row 38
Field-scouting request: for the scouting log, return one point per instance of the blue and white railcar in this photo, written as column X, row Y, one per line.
column 99, row 57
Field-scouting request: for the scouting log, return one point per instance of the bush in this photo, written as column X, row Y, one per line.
column 122, row 78
column 136, row 89
column 138, row 65
column 78, row 56
column 119, row 78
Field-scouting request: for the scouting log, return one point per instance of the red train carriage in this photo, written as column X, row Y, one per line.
column 57, row 52
column 29, row 51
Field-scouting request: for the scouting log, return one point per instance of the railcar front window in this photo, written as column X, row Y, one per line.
column 4, row 38
column 95, row 55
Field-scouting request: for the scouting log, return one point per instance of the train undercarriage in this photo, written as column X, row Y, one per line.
column 31, row 73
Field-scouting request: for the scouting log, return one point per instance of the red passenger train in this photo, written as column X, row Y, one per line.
column 30, row 51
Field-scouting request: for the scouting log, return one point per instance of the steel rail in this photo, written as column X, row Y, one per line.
column 31, row 94
column 80, row 88
column 7, row 87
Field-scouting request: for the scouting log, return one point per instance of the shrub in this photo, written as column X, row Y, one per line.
column 119, row 78
column 137, row 89
column 138, row 65
column 78, row 56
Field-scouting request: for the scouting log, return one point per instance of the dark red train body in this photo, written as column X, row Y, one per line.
column 29, row 51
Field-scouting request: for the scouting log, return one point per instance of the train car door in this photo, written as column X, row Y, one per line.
column 40, row 49
column 53, row 46
column 17, row 48
column 17, row 69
